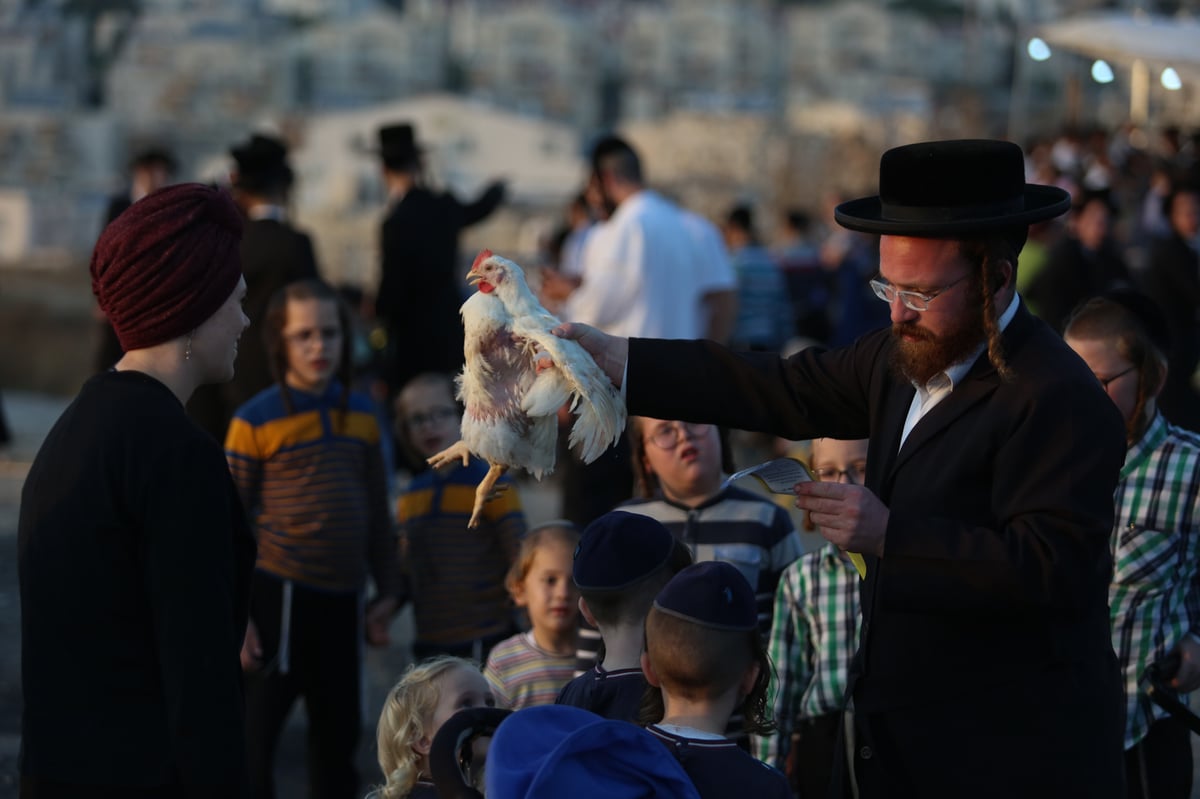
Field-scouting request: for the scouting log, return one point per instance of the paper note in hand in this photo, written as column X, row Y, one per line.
column 780, row 476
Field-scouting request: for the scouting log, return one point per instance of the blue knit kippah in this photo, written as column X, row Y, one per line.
column 619, row 549
column 712, row 594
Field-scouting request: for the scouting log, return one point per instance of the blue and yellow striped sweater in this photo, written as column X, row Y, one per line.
column 314, row 484
column 456, row 575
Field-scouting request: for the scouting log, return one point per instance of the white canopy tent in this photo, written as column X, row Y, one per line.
column 1144, row 43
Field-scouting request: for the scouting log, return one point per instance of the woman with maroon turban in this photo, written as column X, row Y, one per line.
column 134, row 555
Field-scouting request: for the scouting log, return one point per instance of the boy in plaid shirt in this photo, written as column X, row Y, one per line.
column 813, row 638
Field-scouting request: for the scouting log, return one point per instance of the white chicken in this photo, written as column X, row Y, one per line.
column 511, row 416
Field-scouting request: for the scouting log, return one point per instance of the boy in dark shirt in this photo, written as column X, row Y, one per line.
column 704, row 654
column 622, row 562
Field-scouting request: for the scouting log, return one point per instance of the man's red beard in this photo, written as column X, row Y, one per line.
column 927, row 354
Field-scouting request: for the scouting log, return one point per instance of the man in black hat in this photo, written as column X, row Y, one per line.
column 273, row 254
column 420, row 287
column 985, row 666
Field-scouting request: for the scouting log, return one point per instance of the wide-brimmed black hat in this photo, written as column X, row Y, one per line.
column 262, row 163
column 398, row 145
column 949, row 188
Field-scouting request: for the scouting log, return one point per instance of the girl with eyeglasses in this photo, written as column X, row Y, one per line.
column 678, row 469
column 306, row 456
column 1154, row 596
column 455, row 576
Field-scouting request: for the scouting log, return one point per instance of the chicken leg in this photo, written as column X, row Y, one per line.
column 455, row 452
column 485, row 491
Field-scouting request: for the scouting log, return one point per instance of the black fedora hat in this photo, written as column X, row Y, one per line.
column 950, row 188
column 398, row 145
column 261, row 163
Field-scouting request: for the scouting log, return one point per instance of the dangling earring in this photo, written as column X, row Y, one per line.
column 187, row 351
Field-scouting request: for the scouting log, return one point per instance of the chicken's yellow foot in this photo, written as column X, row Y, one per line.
column 484, row 492
column 456, row 452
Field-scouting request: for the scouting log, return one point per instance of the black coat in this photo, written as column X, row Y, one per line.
column 134, row 560
column 420, row 290
column 985, row 664
column 273, row 255
column 1071, row 275
column 1172, row 279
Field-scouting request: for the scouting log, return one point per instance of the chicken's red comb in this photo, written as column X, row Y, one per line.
column 483, row 256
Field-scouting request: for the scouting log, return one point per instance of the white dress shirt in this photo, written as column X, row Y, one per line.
column 938, row 387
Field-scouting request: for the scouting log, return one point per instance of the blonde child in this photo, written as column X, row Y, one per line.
column 455, row 576
column 305, row 455
column 425, row 696
column 531, row 667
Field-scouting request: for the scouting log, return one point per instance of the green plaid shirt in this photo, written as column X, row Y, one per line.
column 1154, row 596
column 814, row 635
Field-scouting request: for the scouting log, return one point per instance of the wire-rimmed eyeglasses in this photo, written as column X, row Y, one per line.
column 913, row 300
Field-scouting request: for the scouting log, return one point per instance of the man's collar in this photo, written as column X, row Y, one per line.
column 955, row 372
column 267, row 211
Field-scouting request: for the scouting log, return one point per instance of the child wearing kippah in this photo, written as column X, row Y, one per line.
column 623, row 561
column 531, row 667
column 706, row 658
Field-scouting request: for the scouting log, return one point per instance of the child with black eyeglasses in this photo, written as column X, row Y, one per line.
column 455, row 576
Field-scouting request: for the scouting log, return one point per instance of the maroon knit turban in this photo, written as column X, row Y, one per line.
column 167, row 263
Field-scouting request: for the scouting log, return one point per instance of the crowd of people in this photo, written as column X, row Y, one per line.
column 1000, row 405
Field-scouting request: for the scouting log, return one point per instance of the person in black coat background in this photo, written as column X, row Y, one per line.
column 273, row 254
column 1085, row 262
column 420, row 288
column 1172, row 279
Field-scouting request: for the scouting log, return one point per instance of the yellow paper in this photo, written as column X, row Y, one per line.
column 859, row 564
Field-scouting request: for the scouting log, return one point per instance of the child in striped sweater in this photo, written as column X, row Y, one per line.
column 531, row 667
column 305, row 456
column 455, row 576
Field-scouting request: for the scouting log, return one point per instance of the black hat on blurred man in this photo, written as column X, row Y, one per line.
column 262, row 164
column 398, row 146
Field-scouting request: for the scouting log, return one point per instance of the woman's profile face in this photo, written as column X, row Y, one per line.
column 214, row 344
